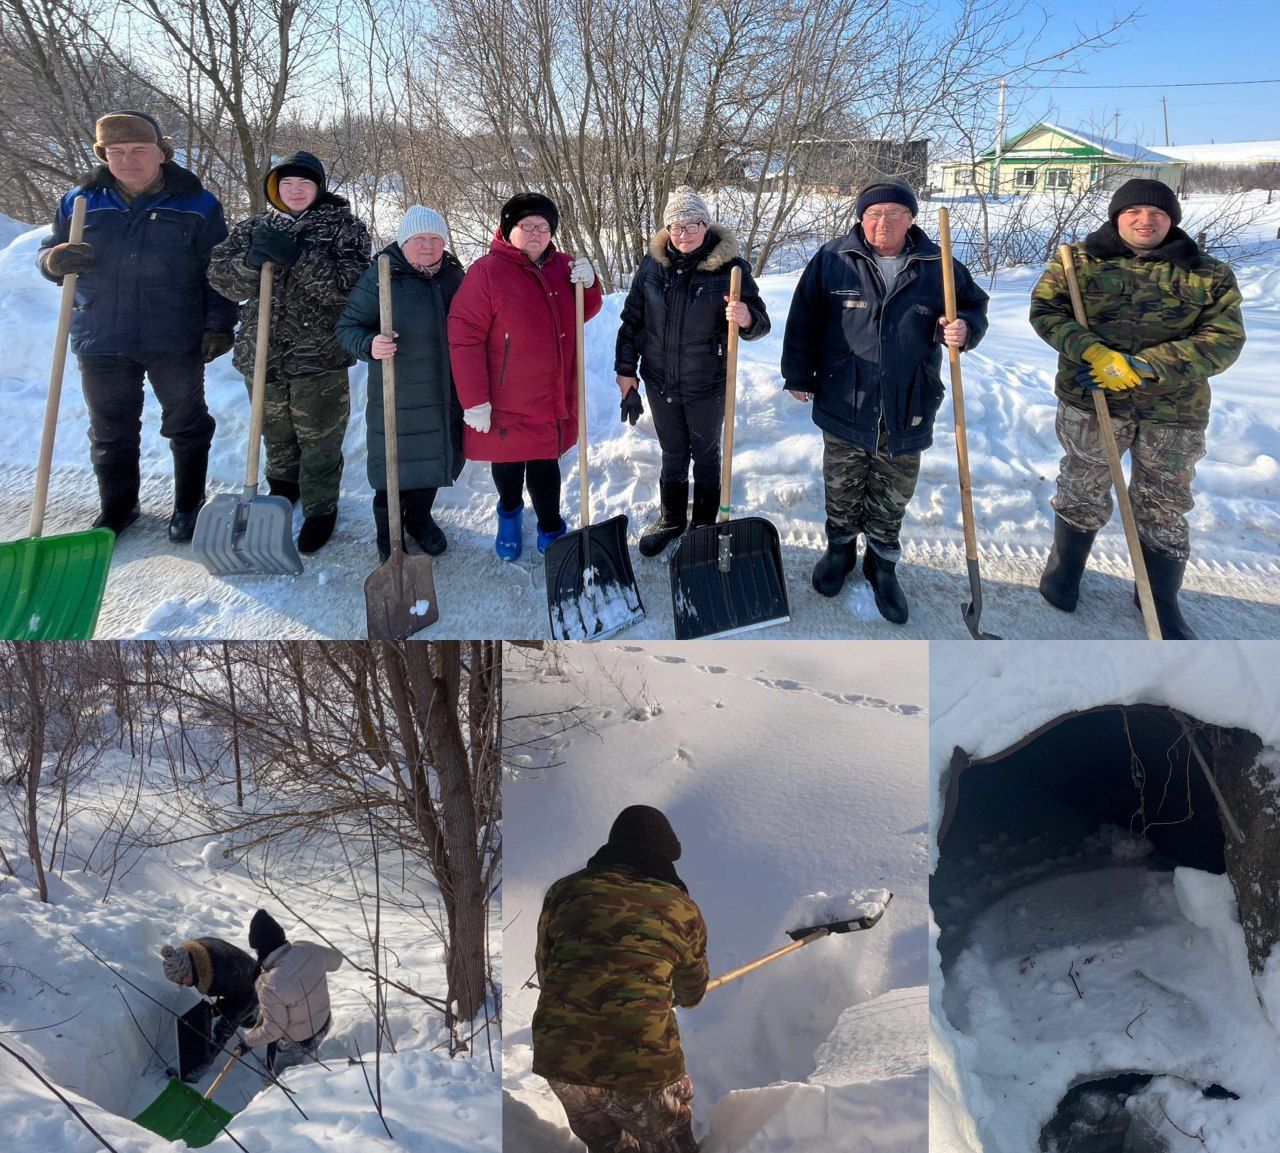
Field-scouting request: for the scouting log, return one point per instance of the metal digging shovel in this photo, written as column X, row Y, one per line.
column 180, row 1113
column 591, row 587
column 727, row 578
column 400, row 596
column 238, row 535
column 51, row 587
column 973, row 612
column 799, row 939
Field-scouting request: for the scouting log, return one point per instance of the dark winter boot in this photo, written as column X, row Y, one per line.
column 706, row 505
column 382, row 526
column 419, row 523
column 672, row 518
column 1165, row 574
column 316, row 531
column 890, row 599
column 189, row 473
column 118, row 486
column 286, row 488
column 836, row 564
column 1060, row 584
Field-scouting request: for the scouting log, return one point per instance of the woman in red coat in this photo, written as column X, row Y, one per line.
column 513, row 350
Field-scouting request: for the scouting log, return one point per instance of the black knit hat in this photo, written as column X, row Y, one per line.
column 887, row 191
column 643, row 825
column 265, row 934
column 1155, row 193
column 302, row 164
column 524, row 204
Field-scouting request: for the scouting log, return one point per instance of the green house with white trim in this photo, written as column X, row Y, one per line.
column 1047, row 158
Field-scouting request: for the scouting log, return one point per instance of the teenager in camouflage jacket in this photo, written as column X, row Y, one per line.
column 1163, row 317
column 320, row 249
column 620, row 945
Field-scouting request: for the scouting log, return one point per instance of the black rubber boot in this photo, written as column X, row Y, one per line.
column 316, row 531
column 1060, row 582
column 118, row 486
column 706, row 505
column 1165, row 574
column 836, row 563
column 881, row 574
column 189, row 472
column 673, row 517
column 416, row 504
column 286, row 488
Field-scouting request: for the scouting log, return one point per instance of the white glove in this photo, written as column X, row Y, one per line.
column 581, row 272
column 478, row 417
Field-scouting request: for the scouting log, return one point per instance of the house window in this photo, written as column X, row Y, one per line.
column 1058, row 178
column 1024, row 178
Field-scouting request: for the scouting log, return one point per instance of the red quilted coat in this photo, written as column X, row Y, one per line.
column 511, row 342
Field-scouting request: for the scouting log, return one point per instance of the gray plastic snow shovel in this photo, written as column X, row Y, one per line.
column 591, row 587
column 239, row 535
column 799, row 939
column 400, row 595
column 727, row 577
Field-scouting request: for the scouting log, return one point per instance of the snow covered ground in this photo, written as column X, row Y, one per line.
column 1073, row 954
column 156, row 590
column 78, row 1032
column 792, row 776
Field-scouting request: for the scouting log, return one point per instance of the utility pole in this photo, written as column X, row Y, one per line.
column 1164, row 103
column 994, row 188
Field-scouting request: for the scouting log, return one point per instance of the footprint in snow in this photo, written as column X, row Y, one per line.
column 718, row 670
column 682, row 756
column 671, row 660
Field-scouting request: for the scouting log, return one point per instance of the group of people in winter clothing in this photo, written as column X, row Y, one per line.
column 486, row 357
column 279, row 995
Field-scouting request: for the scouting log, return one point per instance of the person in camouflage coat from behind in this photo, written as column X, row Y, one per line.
column 620, row 945
column 1163, row 317
column 320, row 249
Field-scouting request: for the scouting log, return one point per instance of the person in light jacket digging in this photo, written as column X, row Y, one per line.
column 293, row 994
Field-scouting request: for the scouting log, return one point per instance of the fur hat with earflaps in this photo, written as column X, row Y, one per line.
column 129, row 127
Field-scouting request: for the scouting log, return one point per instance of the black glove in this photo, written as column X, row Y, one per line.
column 240, row 1050
column 216, row 344
column 68, row 259
column 272, row 244
column 632, row 409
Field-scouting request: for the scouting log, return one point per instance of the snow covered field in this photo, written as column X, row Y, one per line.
column 788, row 772
column 158, row 591
column 66, row 1014
column 1067, row 954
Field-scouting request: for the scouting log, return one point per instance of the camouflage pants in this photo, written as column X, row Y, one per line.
column 303, row 423
column 867, row 492
column 1163, row 460
column 610, row 1120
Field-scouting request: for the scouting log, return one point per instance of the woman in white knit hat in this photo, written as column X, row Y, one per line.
column 424, row 277
column 673, row 335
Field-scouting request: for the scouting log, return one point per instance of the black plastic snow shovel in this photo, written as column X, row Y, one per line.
column 51, row 586
column 400, row 596
column 973, row 611
column 181, row 1113
column 591, row 587
column 238, row 535
column 727, row 577
column 799, row 939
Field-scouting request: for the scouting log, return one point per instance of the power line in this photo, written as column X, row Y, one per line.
column 1187, row 84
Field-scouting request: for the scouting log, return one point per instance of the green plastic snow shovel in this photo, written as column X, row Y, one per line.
column 51, row 586
column 180, row 1113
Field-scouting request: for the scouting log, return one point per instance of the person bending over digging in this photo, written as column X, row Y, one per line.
column 223, row 973
column 293, row 995
column 620, row 945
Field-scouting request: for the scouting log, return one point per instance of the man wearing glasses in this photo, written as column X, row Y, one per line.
column 863, row 343
column 143, row 308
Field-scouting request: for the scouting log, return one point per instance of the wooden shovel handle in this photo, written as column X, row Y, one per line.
column 385, row 322
column 266, row 284
column 56, row 370
column 730, row 397
column 218, row 1080
column 1136, row 558
column 957, row 389
column 580, row 364
column 751, row 966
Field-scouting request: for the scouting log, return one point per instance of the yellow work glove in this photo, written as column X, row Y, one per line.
column 1113, row 370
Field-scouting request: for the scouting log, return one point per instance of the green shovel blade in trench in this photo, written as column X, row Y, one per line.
column 51, row 586
column 180, row 1113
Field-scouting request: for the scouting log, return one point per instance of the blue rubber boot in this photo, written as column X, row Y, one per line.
column 510, row 539
column 545, row 538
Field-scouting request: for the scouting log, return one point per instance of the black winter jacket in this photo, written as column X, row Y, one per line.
column 673, row 324
column 868, row 356
column 428, row 415
column 221, row 969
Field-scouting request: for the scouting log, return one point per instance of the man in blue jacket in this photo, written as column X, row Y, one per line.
column 864, row 343
column 143, row 308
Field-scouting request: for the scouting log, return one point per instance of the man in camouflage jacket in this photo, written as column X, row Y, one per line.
column 620, row 944
column 1163, row 317
column 319, row 249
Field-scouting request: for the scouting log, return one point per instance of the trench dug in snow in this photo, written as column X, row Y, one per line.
column 1088, row 939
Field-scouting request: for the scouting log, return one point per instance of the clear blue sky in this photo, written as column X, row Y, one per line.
column 1170, row 42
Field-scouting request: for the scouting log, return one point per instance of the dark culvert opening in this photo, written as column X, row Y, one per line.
column 1130, row 767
